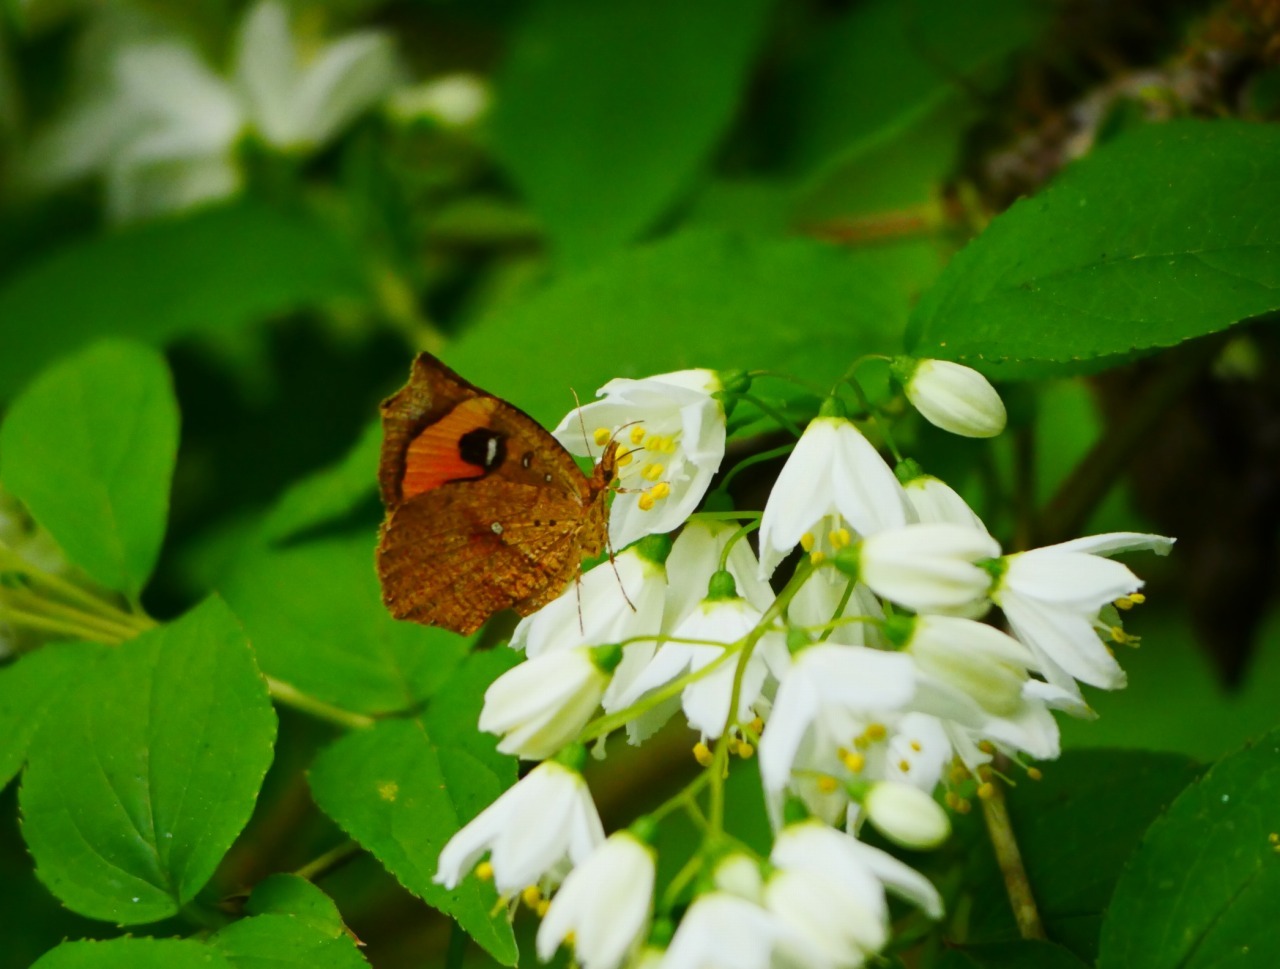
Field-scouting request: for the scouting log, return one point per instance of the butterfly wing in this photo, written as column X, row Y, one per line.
column 485, row 509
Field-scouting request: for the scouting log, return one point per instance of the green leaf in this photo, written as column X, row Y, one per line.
column 32, row 687
column 132, row 954
column 286, row 894
column 1075, row 829
column 285, row 942
column 316, row 618
column 1168, row 233
column 697, row 299
column 1023, row 954
column 607, row 112
column 90, row 447
column 330, row 493
column 1201, row 890
column 403, row 788
column 133, row 795
column 216, row 269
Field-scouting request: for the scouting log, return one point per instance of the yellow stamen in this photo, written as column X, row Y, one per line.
column 542, row 907
column 958, row 774
column 986, row 791
column 660, row 490
column 986, row 747
column 732, row 745
column 840, row 537
column 637, row 434
column 602, row 435
column 756, row 725
column 904, row 765
column 827, row 784
column 702, row 754
column 817, row 556
column 624, row 457
column 853, row 760
column 652, row 472
column 646, row 501
column 1035, row 773
column 964, row 806
column 806, row 541
column 570, row 938
column 916, row 746
column 484, row 871
column 745, row 750
column 875, row 731
column 952, row 800
column 531, row 896
column 1131, row 600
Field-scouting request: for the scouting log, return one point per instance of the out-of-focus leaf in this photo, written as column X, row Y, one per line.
column 331, row 492
column 1168, row 233
column 315, row 615
column 1023, row 954
column 90, row 449
column 1201, row 890
column 134, row 793
column 219, row 268
column 133, row 954
column 606, row 112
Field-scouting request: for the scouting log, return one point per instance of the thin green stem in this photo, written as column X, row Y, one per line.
column 770, row 411
column 38, row 605
column 737, row 536
column 874, row 417
column 1009, row 857
column 291, row 696
column 20, row 617
column 725, row 516
column 844, row 601
column 755, row 459
column 331, row 860
column 65, row 588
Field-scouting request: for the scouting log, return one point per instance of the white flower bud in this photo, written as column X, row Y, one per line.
column 540, row 705
column 951, row 396
column 907, row 815
column 929, row 568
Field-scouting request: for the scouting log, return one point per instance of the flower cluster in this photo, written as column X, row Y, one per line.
column 862, row 675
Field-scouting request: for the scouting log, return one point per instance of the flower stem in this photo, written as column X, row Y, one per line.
column 770, row 411
column 291, row 696
column 995, row 812
column 331, row 860
column 737, row 469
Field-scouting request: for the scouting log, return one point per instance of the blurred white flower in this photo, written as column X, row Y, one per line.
column 604, row 903
column 671, row 434
column 453, row 101
column 721, row 930
column 834, row 481
column 532, row 831
column 951, row 396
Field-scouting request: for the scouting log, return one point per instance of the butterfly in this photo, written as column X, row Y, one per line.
column 485, row 510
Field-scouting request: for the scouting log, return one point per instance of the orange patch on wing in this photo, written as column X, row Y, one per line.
column 433, row 458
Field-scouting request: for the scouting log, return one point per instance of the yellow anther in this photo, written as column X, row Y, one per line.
column 964, row 806
column 646, row 501
column 827, row 784
column 986, row 747
column 624, row 457
column 570, row 939
column 806, row 541
column 1118, row 635
column 652, row 472
column 756, row 725
column 702, row 754
column 745, row 750
column 904, row 765
column 668, row 444
column 732, row 745
column 1274, row 838
column 985, row 773
column 1035, row 773
column 602, row 435
column 952, row 800
column 531, row 896
column 853, row 760
column 840, row 537
column 660, row 490
column 637, row 434
column 1131, row 600
column 958, row 774
column 817, row 556
column 542, row 907
column 484, row 871
column 917, row 746
column 986, row 791
column 875, row 731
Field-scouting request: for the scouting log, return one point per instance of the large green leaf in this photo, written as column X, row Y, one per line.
column 1168, row 233
column 316, row 618
column 133, row 954
column 90, row 448
column 134, row 793
column 1201, row 890
column 218, row 268
column 285, row 942
column 403, row 788
column 606, row 112
column 697, row 299
column 1075, row 829
column 29, row 689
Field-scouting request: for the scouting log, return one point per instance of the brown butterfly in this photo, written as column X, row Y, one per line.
column 485, row 509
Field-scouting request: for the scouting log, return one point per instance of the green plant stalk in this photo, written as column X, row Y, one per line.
column 995, row 812
column 291, row 696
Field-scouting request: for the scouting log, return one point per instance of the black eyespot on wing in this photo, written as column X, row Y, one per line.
column 483, row 447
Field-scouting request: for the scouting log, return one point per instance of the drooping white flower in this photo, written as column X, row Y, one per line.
column 721, row 930
column 539, row 706
column 608, row 604
column 828, row 698
column 951, row 396
column 906, row 815
column 671, row 432
column 829, row 596
column 695, row 558
column 164, row 131
column 532, row 831
column 934, row 502
column 605, row 902
column 1052, row 596
column 929, row 568
column 835, row 484
column 706, row 700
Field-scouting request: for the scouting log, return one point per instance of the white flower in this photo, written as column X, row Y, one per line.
column 695, row 558
column 935, row 502
column 929, row 568
column 706, row 700
column 1052, row 596
column 723, row 931
column 827, row 597
column 540, row 705
column 906, row 815
column 829, row 892
column 452, row 101
column 164, row 132
column 607, row 605
column 951, row 396
column 827, row 699
column 671, row 434
column 604, row 902
column 530, row 831
column 833, row 477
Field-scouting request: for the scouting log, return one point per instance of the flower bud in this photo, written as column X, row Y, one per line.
column 906, row 815
column 951, row 396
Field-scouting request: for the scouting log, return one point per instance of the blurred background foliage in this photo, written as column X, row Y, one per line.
column 291, row 201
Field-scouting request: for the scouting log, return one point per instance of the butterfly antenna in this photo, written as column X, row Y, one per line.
column 577, row 589
column 577, row 406
column 616, row 574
